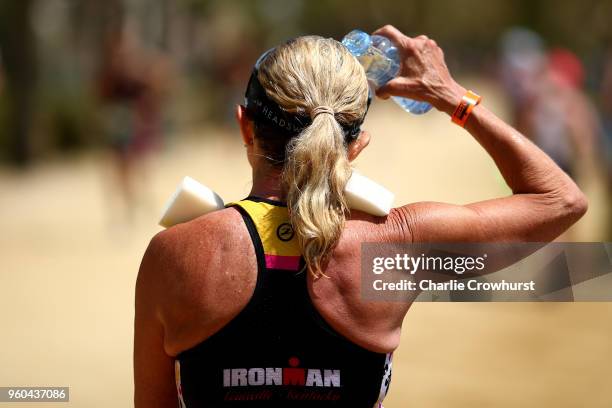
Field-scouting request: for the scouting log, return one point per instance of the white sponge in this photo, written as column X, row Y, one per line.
column 192, row 199
column 365, row 195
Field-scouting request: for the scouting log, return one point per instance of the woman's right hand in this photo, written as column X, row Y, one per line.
column 423, row 74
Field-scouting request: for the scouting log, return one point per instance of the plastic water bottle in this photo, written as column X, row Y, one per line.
column 381, row 62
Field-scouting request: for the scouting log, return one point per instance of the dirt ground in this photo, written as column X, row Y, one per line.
column 70, row 258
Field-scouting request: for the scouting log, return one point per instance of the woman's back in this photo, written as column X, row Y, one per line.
column 249, row 322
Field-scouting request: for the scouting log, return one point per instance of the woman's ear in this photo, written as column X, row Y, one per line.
column 358, row 145
column 246, row 126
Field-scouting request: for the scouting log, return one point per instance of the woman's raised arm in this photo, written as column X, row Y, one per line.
column 545, row 200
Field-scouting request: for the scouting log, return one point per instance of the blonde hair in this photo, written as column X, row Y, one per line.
column 319, row 77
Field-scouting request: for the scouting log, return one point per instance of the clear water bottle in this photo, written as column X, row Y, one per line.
column 381, row 62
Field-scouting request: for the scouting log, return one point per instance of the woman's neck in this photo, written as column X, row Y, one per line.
column 267, row 184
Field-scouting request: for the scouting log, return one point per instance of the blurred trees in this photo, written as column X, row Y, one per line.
column 51, row 50
column 19, row 68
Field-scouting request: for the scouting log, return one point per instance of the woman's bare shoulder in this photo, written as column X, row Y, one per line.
column 183, row 251
column 207, row 230
column 397, row 226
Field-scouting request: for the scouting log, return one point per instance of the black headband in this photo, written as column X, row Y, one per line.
column 262, row 109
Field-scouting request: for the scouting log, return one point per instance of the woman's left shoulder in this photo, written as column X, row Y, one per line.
column 190, row 254
column 200, row 237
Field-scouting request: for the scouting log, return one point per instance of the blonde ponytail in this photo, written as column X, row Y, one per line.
column 318, row 77
column 315, row 174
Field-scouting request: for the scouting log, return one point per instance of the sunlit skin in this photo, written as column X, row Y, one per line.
column 195, row 277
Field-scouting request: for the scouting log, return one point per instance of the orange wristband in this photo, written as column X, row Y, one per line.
column 463, row 110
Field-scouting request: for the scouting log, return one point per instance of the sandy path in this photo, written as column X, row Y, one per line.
column 67, row 279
